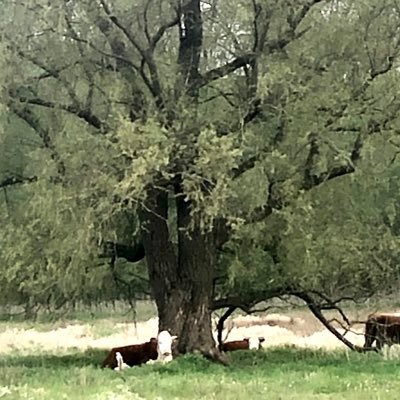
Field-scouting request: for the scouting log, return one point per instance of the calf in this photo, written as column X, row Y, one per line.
column 132, row 355
column 382, row 328
column 245, row 344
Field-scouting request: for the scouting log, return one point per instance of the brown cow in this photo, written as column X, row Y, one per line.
column 245, row 344
column 384, row 328
column 132, row 355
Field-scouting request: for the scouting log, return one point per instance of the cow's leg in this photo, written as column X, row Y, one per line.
column 381, row 337
column 370, row 333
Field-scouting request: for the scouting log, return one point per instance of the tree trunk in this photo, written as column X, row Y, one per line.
column 181, row 278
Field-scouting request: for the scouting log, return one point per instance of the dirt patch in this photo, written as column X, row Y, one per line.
column 277, row 329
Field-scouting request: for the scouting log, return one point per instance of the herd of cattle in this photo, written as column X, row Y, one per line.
column 160, row 350
column 384, row 328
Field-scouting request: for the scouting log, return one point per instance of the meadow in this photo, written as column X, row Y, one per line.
column 279, row 373
column 51, row 360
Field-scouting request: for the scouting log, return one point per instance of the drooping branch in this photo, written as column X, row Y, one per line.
column 315, row 307
column 316, row 310
column 330, row 304
column 221, row 323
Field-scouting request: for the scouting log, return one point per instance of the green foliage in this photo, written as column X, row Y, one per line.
column 90, row 127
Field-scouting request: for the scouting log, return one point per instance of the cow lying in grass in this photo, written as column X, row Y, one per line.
column 155, row 350
column 251, row 343
column 384, row 328
column 132, row 355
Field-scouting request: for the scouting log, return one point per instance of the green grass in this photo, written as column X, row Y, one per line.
column 284, row 373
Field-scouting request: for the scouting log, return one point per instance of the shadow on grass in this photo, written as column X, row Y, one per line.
column 92, row 357
column 268, row 362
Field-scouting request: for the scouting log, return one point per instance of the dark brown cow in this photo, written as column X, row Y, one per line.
column 384, row 328
column 245, row 344
column 132, row 355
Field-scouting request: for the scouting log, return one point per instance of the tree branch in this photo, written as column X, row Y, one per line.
column 315, row 309
column 146, row 22
column 33, row 122
column 88, row 73
column 131, row 253
column 274, row 202
column 250, row 299
column 311, row 180
column 17, row 180
column 124, row 30
column 54, row 72
column 224, row 70
column 161, row 30
column 154, row 84
column 86, row 115
column 295, row 20
column 220, row 325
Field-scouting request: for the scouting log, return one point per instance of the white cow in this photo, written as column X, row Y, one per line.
column 255, row 343
column 164, row 347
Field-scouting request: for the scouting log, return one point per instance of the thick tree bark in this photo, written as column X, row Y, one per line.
column 196, row 262
column 160, row 255
column 181, row 277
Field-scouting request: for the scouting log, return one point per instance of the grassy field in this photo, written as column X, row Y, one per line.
column 281, row 373
column 28, row 371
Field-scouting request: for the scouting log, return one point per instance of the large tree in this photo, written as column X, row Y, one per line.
column 195, row 120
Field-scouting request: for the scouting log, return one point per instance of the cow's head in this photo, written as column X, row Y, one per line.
column 164, row 346
column 255, row 343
